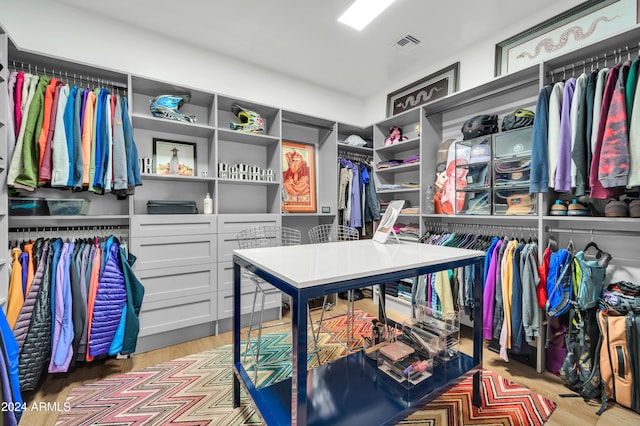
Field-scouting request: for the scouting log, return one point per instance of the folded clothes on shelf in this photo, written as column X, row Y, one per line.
column 410, row 210
column 388, row 164
column 410, row 185
column 412, row 159
column 387, row 187
column 407, row 230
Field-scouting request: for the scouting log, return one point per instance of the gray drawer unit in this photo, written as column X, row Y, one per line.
column 227, row 243
column 229, row 225
column 234, row 223
column 225, row 302
column 174, row 251
column 158, row 225
column 225, row 279
column 171, row 283
column 179, row 312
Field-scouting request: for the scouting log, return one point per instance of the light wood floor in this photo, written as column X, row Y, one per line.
column 570, row 411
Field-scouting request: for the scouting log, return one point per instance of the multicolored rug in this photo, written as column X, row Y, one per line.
column 196, row 390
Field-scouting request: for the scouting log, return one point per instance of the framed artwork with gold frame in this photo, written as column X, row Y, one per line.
column 298, row 177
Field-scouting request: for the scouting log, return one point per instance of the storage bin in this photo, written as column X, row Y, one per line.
column 513, row 143
column 19, row 206
column 68, row 206
column 514, row 202
column 171, row 207
column 409, row 369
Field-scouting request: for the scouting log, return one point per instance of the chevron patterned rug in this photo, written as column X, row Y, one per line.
column 196, row 390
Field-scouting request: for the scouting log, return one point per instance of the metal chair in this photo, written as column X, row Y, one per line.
column 260, row 237
column 327, row 233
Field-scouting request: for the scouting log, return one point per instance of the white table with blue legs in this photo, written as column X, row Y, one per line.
column 350, row 390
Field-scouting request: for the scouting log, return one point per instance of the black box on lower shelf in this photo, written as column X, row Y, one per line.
column 171, row 207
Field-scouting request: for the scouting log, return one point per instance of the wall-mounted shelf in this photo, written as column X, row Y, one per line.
column 399, row 147
column 248, row 138
column 161, row 125
column 153, row 176
column 248, row 182
column 400, row 168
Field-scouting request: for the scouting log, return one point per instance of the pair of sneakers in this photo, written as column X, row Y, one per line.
column 575, row 208
column 623, row 208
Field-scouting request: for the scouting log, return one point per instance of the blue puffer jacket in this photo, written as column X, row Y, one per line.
column 110, row 300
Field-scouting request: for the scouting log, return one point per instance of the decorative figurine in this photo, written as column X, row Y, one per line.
column 395, row 136
column 174, row 163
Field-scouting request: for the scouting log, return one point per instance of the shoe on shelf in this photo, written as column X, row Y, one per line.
column 578, row 209
column 616, row 208
column 634, row 208
column 558, row 209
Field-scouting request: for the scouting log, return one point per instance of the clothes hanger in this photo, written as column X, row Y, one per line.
column 570, row 246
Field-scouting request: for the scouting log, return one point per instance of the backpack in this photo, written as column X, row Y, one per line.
column 560, row 292
column 580, row 368
column 589, row 275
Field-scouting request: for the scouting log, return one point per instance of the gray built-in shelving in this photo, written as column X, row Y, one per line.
column 184, row 261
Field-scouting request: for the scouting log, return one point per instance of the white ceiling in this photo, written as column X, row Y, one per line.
column 302, row 38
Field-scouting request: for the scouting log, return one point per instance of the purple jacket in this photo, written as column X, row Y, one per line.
column 489, row 293
column 110, row 300
column 58, row 312
column 563, row 169
column 62, row 353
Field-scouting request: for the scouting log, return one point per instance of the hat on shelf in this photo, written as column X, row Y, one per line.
column 480, row 153
column 519, row 204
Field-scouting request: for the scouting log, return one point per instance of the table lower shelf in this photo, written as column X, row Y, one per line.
column 352, row 390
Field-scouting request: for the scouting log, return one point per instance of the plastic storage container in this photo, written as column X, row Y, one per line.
column 171, row 207
column 68, row 206
column 473, row 176
column 27, row 207
column 405, row 362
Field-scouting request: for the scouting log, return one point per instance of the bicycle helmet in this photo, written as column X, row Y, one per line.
column 167, row 106
column 250, row 121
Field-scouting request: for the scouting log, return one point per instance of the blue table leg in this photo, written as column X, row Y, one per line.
column 477, row 332
column 299, row 364
column 236, row 332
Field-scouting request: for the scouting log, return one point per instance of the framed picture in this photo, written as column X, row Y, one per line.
column 298, row 177
column 430, row 88
column 174, row 158
column 587, row 22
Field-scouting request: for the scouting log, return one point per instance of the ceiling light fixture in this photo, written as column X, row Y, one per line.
column 361, row 12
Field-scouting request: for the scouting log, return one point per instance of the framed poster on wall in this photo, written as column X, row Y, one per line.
column 298, row 177
column 174, row 158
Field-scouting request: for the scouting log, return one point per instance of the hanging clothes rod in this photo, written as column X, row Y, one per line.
column 484, row 228
column 592, row 231
column 595, row 62
column 26, row 67
column 355, row 156
column 69, row 228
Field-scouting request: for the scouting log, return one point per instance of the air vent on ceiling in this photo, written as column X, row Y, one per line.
column 406, row 43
